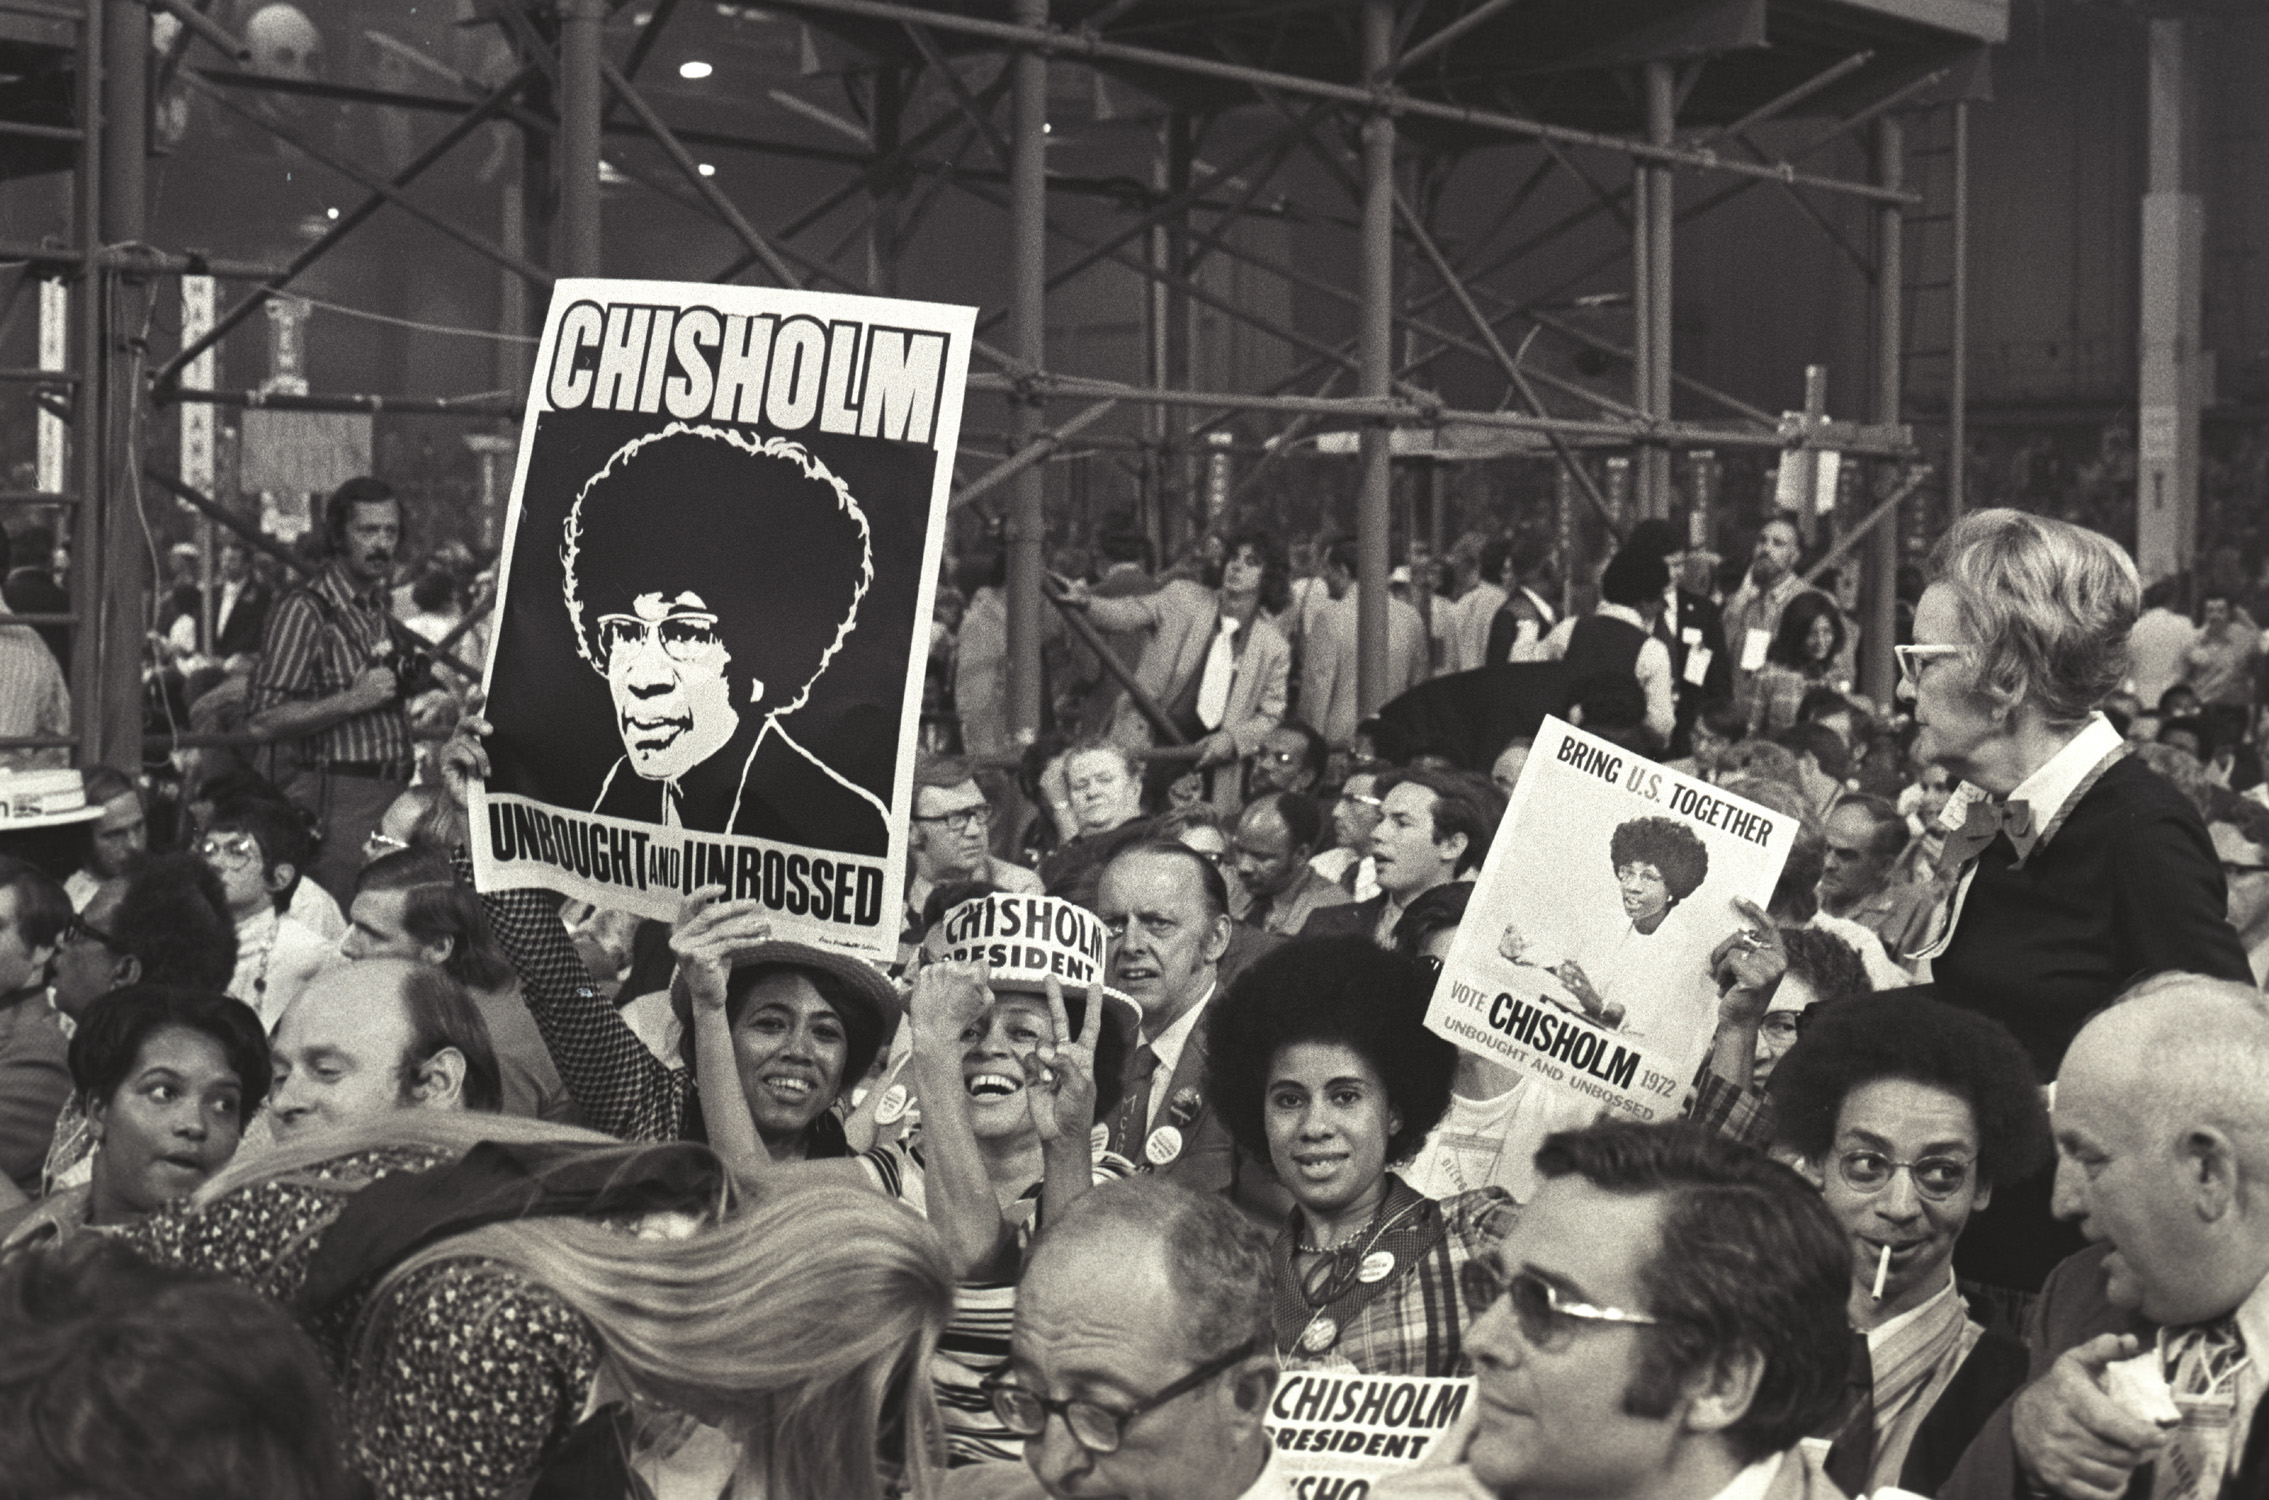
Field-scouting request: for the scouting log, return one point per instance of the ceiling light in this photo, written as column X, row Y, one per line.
column 694, row 68
column 707, row 170
column 330, row 213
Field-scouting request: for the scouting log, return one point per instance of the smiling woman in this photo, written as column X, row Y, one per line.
column 1321, row 1062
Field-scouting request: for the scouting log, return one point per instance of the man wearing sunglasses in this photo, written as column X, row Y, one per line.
column 711, row 581
column 1665, row 1320
column 1142, row 1359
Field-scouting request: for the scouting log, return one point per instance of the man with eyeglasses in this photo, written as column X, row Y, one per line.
column 952, row 822
column 1142, row 1359
column 1354, row 817
column 2239, row 827
column 1664, row 1322
column 1905, row 1112
column 711, row 584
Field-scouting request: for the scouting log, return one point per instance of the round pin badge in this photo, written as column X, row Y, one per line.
column 1321, row 1335
column 1377, row 1266
column 1099, row 1139
column 892, row 1109
column 1164, row 1145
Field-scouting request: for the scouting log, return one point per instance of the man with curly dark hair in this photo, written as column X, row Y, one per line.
column 1320, row 1062
column 1665, row 1320
column 1905, row 1112
column 711, row 621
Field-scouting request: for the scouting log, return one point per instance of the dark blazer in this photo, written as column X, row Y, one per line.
column 2072, row 1310
column 2130, row 886
column 1210, row 1161
column 1996, row 1367
column 1355, row 919
column 1695, row 612
column 245, row 625
column 782, row 790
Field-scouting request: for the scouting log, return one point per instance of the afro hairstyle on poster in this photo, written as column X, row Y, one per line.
column 732, row 518
column 1670, row 846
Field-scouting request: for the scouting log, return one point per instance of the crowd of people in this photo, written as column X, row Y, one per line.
column 325, row 1173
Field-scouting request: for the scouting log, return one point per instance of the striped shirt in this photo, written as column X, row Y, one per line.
column 33, row 698
column 320, row 638
column 976, row 1338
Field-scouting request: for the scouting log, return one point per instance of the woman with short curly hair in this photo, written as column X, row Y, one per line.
column 1319, row 1061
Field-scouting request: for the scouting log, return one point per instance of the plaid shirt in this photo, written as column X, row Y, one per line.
column 320, row 639
column 1418, row 1326
column 623, row 1088
column 1744, row 1115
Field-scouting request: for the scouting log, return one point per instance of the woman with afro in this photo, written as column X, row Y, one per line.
column 1319, row 1061
column 1623, row 977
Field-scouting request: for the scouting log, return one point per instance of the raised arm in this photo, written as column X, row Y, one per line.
column 948, row 999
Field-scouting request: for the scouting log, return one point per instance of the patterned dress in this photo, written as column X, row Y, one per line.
column 472, row 1375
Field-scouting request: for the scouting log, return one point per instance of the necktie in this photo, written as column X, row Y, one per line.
column 1981, row 822
column 1220, row 667
column 2201, row 1363
column 1851, row 1457
column 1134, row 1103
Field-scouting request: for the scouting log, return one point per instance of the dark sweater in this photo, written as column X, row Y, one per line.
column 2129, row 886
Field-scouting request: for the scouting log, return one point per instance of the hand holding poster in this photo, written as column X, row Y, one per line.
column 1584, row 955
column 713, row 604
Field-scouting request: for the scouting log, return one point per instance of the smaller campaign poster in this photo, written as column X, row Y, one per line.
column 1338, row 1432
column 1584, row 955
column 713, row 605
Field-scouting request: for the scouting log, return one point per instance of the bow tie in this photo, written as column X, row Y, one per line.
column 1981, row 822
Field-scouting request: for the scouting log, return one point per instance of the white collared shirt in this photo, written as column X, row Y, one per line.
column 2047, row 789
column 2044, row 792
column 1168, row 1049
column 1752, row 1483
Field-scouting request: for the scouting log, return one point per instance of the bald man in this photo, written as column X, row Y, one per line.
column 2162, row 1133
column 1142, row 1358
column 365, row 1039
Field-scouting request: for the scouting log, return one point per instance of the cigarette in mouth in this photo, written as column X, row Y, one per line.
column 1882, row 1269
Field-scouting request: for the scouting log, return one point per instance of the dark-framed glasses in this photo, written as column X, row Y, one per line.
column 961, row 819
column 1097, row 1428
column 79, row 930
column 683, row 636
column 1548, row 1320
column 1934, row 1177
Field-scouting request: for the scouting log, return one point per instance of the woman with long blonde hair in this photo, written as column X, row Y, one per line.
column 499, row 1297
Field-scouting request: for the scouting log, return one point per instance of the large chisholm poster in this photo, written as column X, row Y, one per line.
column 714, row 600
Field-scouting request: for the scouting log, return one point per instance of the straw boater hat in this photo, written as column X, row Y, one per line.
column 43, row 799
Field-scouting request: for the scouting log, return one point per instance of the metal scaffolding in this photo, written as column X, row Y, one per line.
column 1674, row 93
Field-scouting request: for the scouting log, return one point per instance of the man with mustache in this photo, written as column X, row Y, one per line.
column 328, row 690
